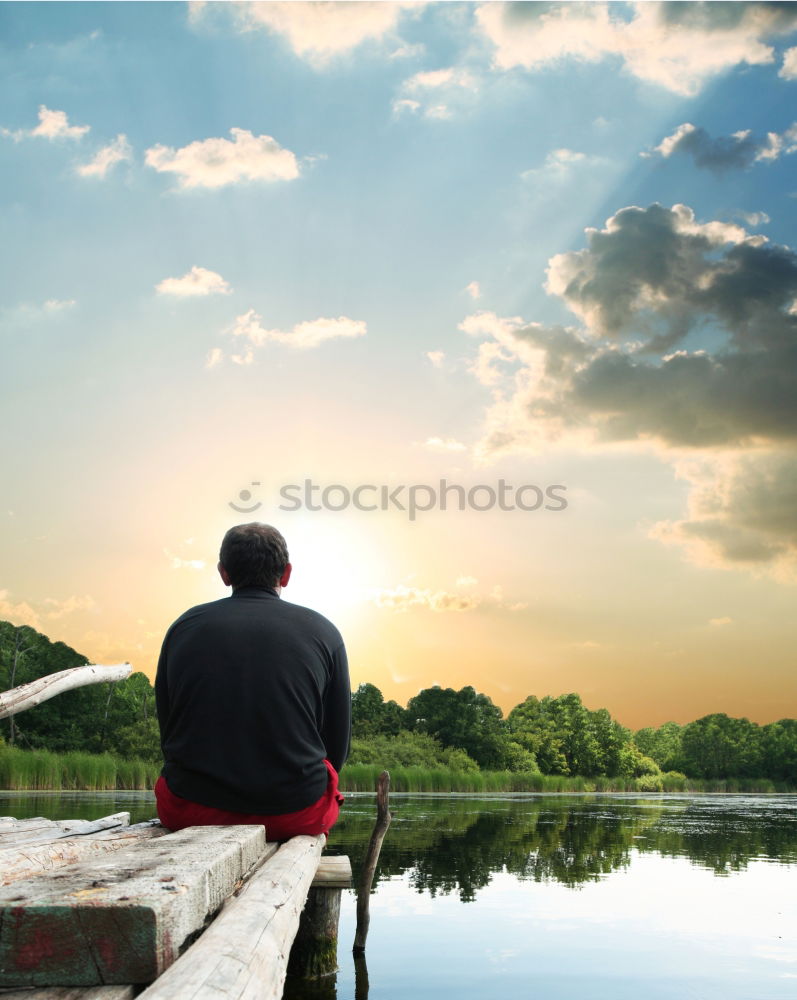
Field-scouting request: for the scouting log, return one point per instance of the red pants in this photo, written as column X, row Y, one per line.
column 176, row 813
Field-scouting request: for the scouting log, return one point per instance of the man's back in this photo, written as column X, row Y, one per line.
column 253, row 693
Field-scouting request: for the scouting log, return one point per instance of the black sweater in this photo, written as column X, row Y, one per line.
column 252, row 694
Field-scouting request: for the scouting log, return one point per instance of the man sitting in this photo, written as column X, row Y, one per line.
column 254, row 702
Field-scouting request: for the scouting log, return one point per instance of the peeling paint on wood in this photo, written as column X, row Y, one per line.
column 124, row 918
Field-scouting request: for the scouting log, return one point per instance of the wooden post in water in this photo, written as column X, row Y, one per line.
column 315, row 948
column 383, row 818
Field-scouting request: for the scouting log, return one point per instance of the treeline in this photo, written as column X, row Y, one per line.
column 464, row 731
column 117, row 719
column 440, row 730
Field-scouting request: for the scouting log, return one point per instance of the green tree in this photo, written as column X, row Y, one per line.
column 613, row 741
column 718, row 746
column 371, row 714
column 409, row 750
column 533, row 727
column 464, row 719
column 779, row 749
column 662, row 744
column 367, row 703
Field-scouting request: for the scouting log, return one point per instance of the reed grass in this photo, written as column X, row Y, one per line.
column 46, row 771
column 41, row 770
column 363, row 777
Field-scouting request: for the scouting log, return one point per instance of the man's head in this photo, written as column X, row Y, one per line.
column 254, row 555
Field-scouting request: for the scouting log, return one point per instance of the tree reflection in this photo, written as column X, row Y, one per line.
column 451, row 845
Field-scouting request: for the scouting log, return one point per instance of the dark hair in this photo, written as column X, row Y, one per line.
column 254, row 555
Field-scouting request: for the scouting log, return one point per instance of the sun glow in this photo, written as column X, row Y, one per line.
column 333, row 565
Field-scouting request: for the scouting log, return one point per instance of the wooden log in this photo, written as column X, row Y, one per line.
column 315, row 949
column 38, row 859
column 333, row 872
column 26, row 696
column 383, row 818
column 71, row 993
column 10, row 825
column 243, row 954
column 61, row 829
column 123, row 919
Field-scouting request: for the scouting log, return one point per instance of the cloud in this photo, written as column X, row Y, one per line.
column 319, row 32
column 788, row 70
column 115, row 152
column 52, row 125
column 474, row 290
column 436, row 93
column 176, row 562
column 647, row 288
column 444, row 444
column 654, row 270
column 303, row 336
column 405, row 104
column 199, row 281
column 22, row 613
column 737, row 151
column 29, row 312
column 436, row 358
column 466, row 581
column 742, row 512
column 215, row 356
column 675, row 46
column 719, row 622
column 214, row 163
column 59, row 609
column 19, row 613
column 57, row 305
column 403, row 598
column 560, row 161
column 246, row 357
column 406, row 51
column 755, row 218
column 559, row 167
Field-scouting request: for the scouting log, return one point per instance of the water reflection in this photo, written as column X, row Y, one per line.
column 446, row 845
column 451, row 844
column 648, row 917
column 618, row 938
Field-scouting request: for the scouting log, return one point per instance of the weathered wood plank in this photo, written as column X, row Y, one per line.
column 333, row 872
column 26, row 696
column 39, row 859
column 125, row 918
column 34, row 823
column 243, row 954
column 60, row 829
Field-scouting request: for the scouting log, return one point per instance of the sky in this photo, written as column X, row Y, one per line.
column 490, row 308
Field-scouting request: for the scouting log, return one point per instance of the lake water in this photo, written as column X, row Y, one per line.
column 556, row 897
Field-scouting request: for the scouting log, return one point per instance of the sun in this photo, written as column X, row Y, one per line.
column 334, row 564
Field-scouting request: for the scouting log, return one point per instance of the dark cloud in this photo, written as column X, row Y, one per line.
column 691, row 400
column 656, row 274
column 727, row 152
column 648, row 287
column 720, row 154
column 743, row 512
column 720, row 15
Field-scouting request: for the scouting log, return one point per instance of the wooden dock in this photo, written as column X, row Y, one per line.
column 102, row 910
column 99, row 910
